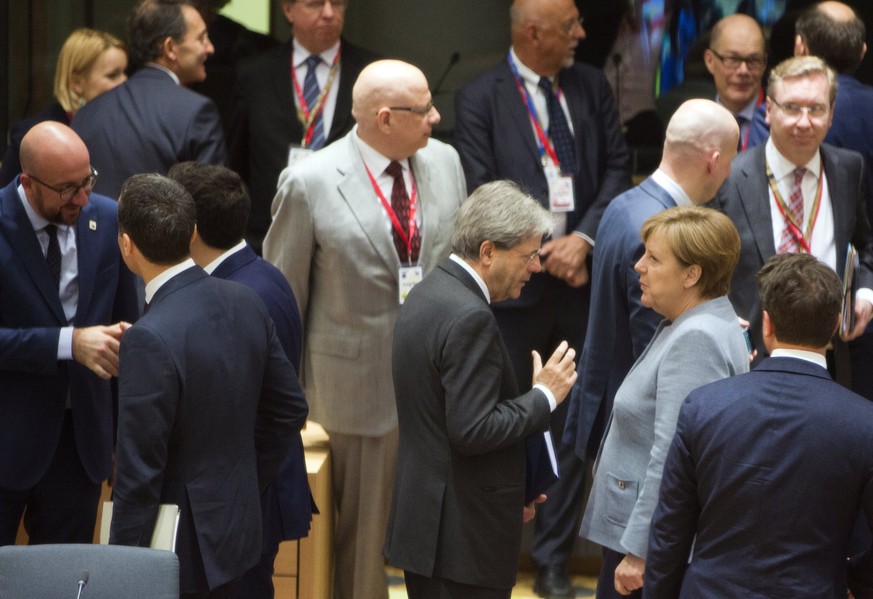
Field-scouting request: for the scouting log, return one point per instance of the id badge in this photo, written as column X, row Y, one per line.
column 561, row 198
column 409, row 276
column 297, row 153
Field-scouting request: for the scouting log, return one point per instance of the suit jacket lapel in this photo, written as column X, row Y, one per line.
column 841, row 192
column 24, row 243
column 507, row 92
column 755, row 197
column 282, row 89
column 457, row 271
column 356, row 191
column 342, row 116
column 87, row 242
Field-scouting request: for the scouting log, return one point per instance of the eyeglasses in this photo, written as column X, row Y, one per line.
column 794, row 111
column 318, row 5
column 530, row 257
column 569, row 26
column 415, row 109
column 69, row 191
column 755, row 63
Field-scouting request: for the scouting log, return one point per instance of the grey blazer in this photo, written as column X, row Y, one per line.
column 331, row 239
column 703, row 345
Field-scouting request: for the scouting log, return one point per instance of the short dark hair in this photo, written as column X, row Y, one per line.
column 158, row 215
column 838, row 43
column 149, row 24
column 221, row 199
column 802, row 296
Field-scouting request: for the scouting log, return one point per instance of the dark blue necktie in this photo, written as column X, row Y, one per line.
column 310, row 95
column 53, row 254
column 559, row 130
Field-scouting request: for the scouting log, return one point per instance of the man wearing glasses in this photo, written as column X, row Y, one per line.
column 65, row 299
column 292, row 100
column 355, row 226
column 796, row 194
column 736, row 59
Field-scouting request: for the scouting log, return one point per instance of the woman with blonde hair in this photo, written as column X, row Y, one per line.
column 90, row 62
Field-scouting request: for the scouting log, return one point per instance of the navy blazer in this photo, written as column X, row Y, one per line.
column 34, row 383
column 765, row 477
column 146, row 125
column 287, row 503
column 619, row 326
column 264, row 123
column 495, row 140
column 208, row 404
column 745, row 199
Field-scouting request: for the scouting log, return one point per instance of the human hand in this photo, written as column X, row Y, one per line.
column 97, row 348
column 863, row 312
column 565, row 257
column 530, row 510
column 559, row 373
column 629, row 574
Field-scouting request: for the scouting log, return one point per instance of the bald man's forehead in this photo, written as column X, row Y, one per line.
column 738, row 35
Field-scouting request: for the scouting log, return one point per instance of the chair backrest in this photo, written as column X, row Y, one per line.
column 113, row 572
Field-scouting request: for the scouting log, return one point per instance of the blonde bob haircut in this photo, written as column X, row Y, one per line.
column 77, row 58
column 700, row 236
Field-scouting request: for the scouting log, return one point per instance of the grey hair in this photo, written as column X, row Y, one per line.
column 499, row 212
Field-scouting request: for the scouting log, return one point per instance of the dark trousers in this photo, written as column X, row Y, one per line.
column 424, row 587
column 561, row 313
column 226, row 591
column 606, row 580
column 62, row 507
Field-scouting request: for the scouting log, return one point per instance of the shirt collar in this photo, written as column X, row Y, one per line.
column 782, row 167
column 210, row 268
column 152, row 286
column 375, row 161
column 161, row 67
column 530, row 78
column 36, row 220
column 671, row 187
column 800, row 354
column 747, row 111
column 479, row 281
column 301, row 54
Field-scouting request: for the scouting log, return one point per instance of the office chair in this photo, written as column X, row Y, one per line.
column 102, row 572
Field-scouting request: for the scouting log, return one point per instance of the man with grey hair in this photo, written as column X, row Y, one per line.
column 458, row 504
column 355, row 225
column 701, row 141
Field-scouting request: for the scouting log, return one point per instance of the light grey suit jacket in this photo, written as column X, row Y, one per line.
column 331, row 238
column 703, row 345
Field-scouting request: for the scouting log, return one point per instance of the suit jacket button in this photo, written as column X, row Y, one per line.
column 621, row 485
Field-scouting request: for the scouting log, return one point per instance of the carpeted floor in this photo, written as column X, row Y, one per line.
column 523, row 590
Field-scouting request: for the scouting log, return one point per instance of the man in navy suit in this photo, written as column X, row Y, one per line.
column 58, row 348
column 208, row 401
column 152, row 121
column 768, row 469
column 701, row 141
column 551, row 126
column 222, row 203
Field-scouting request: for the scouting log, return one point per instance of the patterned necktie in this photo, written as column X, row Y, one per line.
column 311, row 92
column 789, row 243
column 53, row 254
column 741, row 120
column 559, row 130
column 401, row 205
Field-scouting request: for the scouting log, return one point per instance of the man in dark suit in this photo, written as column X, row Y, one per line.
column 551, row 126
column 796, row 194
column 222, row 203
column 700, row 144
column 458, row 502
column 152, row 121
column 62, row 284
column 271, row 102
column 768, row 470
column 205, row 369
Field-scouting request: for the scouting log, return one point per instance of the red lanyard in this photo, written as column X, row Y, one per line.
column 805, row 240
column 306, row 115
column 545, row 143
column 395, row 221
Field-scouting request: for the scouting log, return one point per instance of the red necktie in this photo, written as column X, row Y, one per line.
column 789, row 243
column 401, row 205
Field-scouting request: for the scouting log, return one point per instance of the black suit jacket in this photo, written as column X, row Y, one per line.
column 208, row 404
column 264, row 123
column 495, row 141
column 459, row 490
column 768, row 469
column 744, row 197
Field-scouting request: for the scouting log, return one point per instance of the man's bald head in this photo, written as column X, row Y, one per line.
column 393, row 108
column 833, row 32
column 50, row 142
